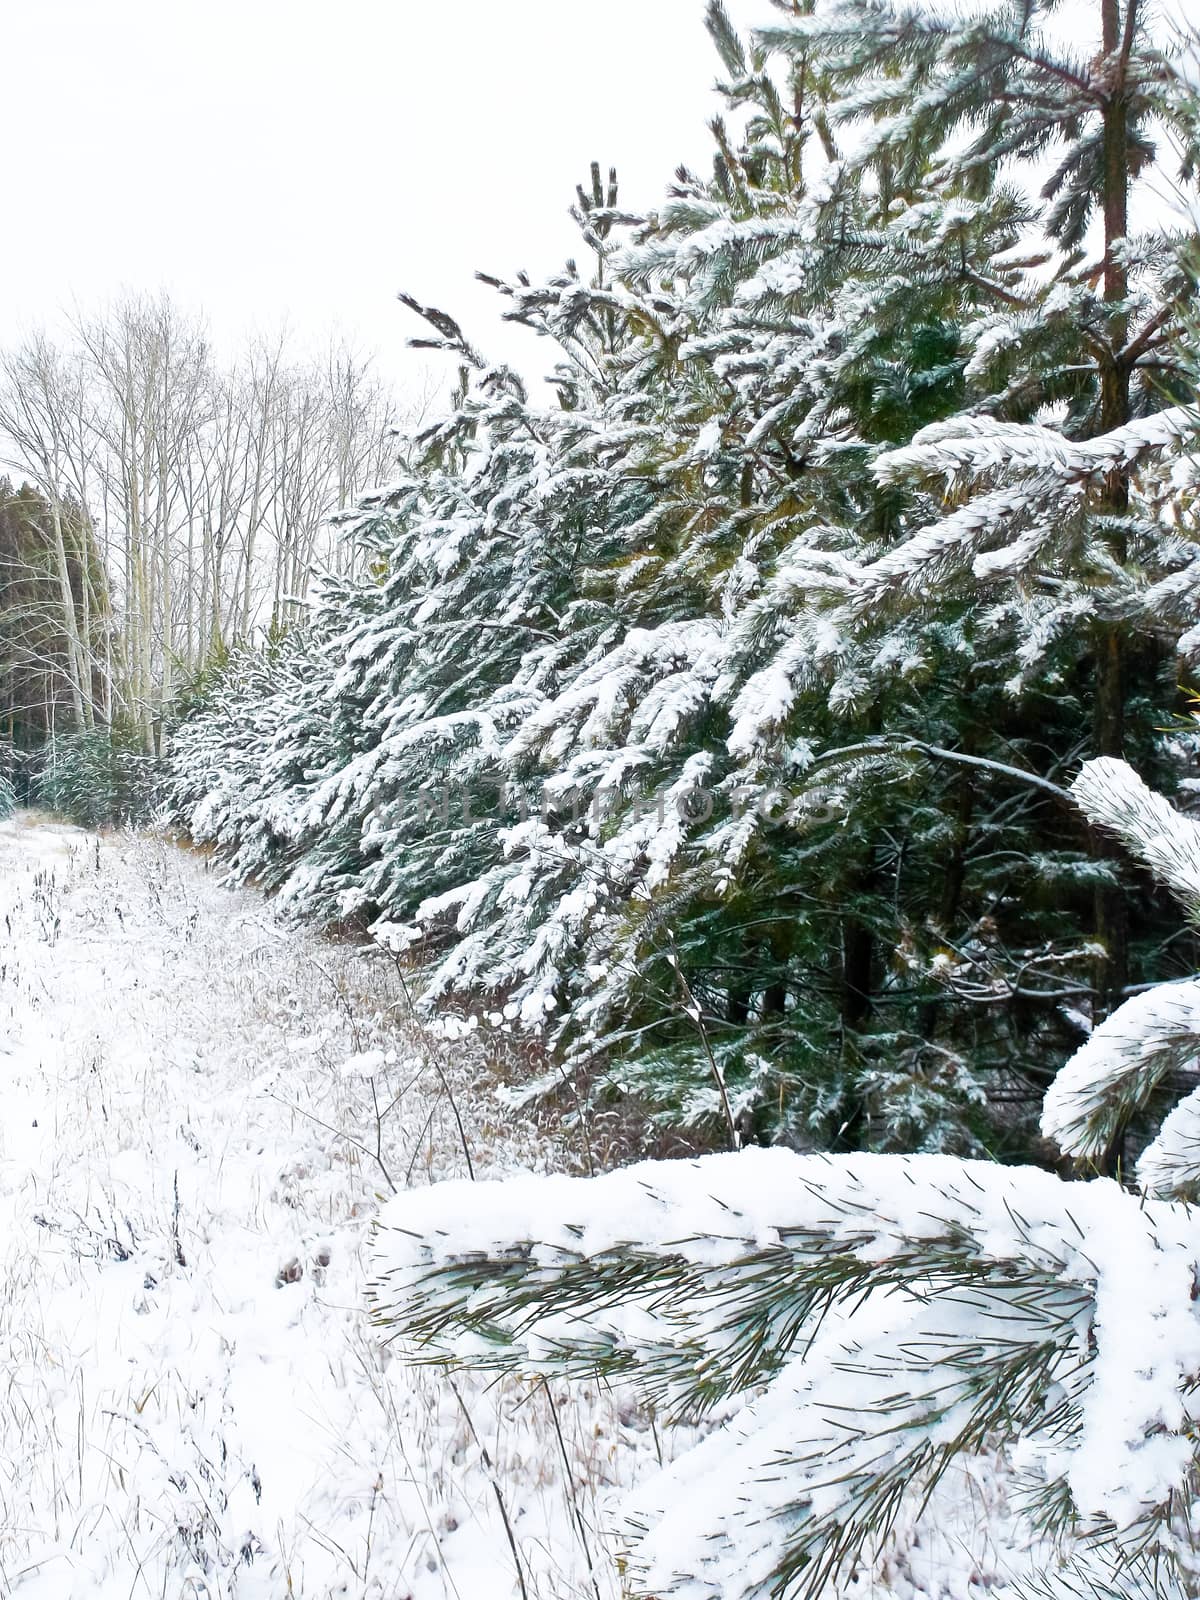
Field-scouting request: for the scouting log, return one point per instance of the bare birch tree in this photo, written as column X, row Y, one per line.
column 208, row 488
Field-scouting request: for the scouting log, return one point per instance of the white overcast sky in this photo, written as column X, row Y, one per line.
column 304, row 159
column 299, row 161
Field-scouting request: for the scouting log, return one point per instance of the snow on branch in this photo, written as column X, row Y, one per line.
column 899, row 1309
column 1153, row 1035
column 1002, row 530
column 970, row 446
column 1113, row 797
column 954, row 541
column 1170, row 1165
column 840, row 1437
column 1119, row 1068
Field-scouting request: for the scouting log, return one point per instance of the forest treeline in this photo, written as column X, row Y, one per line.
column 163, row 501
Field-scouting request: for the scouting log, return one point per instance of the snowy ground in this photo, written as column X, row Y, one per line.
column 190, row 1156
column 192, row 1403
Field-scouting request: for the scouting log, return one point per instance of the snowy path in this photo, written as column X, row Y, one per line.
column 192, row 1403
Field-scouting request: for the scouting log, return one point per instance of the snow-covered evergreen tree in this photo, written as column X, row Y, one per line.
column 866, row 1323
column 750, row 411
column 227, row 778
column 1087, row 330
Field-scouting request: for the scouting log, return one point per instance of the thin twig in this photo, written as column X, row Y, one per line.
column 491, row 1472
column 884, row 747
column 575, row 1507
column 692, row 1008
column 340, row 1133
column 435, row 1062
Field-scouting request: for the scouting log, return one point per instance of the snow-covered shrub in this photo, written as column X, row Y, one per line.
column 879, row 1318
column 8, row 790
column 95, row 778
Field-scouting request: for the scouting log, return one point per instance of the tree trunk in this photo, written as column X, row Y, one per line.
column 1108, row 725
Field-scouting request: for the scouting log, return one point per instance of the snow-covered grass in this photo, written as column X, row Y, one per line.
column 193, row 1403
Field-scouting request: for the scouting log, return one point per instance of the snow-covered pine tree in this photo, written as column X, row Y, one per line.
column 1097, row 336
column 226, row 782
column 1016, row 621
column 866, row 1323
column 381, row 770
column 800, row 299
column 775, row 360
